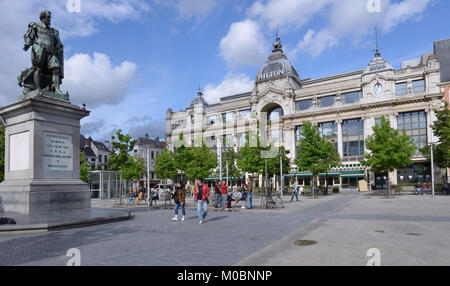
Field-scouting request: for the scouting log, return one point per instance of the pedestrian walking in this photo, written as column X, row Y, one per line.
column 201, row 194
column 132, row 194
column 224, row 192
column 249, row 189
column 295, row 191
column 179, row 198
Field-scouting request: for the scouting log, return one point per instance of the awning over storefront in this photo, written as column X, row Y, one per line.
column 303, row 174
column 345, row 174
column 352, row 174
column 224, row 178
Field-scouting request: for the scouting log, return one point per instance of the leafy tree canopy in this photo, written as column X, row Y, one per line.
column 314, row 153
column 389, row 149
column 441, row 129
column 165, row 165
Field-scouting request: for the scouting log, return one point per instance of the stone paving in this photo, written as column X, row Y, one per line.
column 408, row 230
column 153, row 239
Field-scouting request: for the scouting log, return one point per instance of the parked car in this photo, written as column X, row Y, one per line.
column 163, row 189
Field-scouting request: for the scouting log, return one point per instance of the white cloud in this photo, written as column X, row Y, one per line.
column 350, row 20
column 17, row 15
column 95, row 81
column 287, row 12
column 231, row 85
column 244, row 44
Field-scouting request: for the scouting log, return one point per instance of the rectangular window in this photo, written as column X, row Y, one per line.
column 327, row 101
column 328, row 130
column 303, row 104
column 153, row 154
column 242, row 139
column 298, row 136
column 276, row 135
column 244, row 114
column 228, row 141
column 100, row 158
column 228, row 117
column 415, row 125
column 418, row 86
column 353, row 137
column 351, row 97
column 211, row 120
column 401, row 89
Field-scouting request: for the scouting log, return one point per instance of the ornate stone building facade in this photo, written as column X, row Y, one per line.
column 344, row 106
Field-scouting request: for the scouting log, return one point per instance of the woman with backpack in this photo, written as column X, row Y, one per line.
column 179, row 197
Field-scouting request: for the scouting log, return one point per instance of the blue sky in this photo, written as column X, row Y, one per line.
column 130, row 60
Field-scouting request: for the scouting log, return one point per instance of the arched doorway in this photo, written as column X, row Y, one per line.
column 274, row 111
column 275, row 131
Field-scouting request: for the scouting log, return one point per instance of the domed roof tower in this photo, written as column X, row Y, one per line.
column 277, row 66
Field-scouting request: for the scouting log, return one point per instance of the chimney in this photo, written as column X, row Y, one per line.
column 89, row 142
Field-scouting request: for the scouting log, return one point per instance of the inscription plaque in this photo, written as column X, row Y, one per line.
column 58, row 152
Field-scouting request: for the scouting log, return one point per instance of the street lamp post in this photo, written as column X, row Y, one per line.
column 148, row 177
column 220, row 161
column 432, row 170
column 227, row 172
column 281, row 175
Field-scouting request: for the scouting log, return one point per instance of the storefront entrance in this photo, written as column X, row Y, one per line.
column 380, row 181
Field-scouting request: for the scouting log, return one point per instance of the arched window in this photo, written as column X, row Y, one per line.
column 274, row 113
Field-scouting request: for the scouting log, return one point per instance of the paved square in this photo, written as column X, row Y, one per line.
column 408, row 230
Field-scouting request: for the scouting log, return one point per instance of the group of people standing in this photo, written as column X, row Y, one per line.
column 202, row 193
column 224, row 194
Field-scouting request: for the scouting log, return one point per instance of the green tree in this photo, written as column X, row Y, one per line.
column 314, row 153
column 120, row 159
column 2, row 153
column 183, row 154
column 134, row 169
column 250, row 160
column 203, row 162
column 273, row 164
column 388, row 150
column 231, row 157
column 441, row 129
column 165, row 165
column 84, row 168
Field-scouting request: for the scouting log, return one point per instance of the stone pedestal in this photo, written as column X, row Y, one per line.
column 42, row 157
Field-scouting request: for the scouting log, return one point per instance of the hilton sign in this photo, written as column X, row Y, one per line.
column 269, row 75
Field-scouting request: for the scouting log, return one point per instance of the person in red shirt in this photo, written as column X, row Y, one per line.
column 224, row 192
column 201, row 194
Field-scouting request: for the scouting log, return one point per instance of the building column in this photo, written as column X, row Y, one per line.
column 289, row 143
column 339, row 138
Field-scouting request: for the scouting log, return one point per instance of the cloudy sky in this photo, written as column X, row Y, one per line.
column 130, row 60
